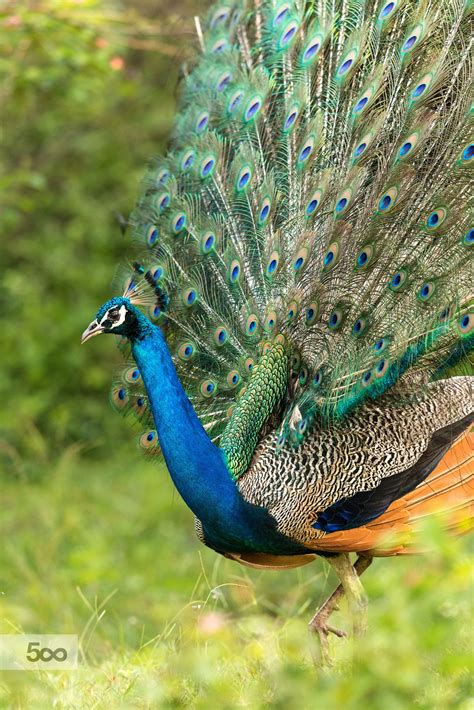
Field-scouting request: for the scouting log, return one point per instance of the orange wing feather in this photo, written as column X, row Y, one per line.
column 449, row 490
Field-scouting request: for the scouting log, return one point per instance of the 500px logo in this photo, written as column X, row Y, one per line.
column 45, row 654
column 20, row 652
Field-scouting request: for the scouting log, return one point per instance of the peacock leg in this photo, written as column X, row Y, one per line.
column 350, row 586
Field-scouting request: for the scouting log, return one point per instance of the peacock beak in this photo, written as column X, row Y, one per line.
column 93, row 329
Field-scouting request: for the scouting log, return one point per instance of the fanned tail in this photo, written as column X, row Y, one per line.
column 315, row 194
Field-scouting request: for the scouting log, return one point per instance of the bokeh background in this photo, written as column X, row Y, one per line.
column 95, row 541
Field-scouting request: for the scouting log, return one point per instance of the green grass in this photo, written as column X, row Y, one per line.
column 94, row 541
column 107, row 551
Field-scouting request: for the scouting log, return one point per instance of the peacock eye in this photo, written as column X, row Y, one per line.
column 113, row 314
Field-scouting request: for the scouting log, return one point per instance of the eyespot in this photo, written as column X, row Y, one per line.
column 467, row 153
column 234, row 271
column 233, row 378
column 313, row 203
column 311, row 50
column 139, row 406
column 119, row 397
column 363, row 101
column 253, row 108
column 411, row 40
column 387, row 11
column 219, row 46
column 387, row 200
column 302, row 426
column 273, row 263
column 360, row 149
column 288, row 35
column 290, row 119
column 249, row 364
column 149, row 440
column 335, row 319
column 347, row 64
column 221, row 335
column 157, row 272
column 381, row 368
column 162, row 201
column 292, row 310
column 178, row 222
column 236, row 16
column 311, row 313
column 317, row 378
column 360, row 105
column 188, row 159
column 445, row 314
column 466, row 323
column 190, row 296
column 300, row 259
column 359, row 327
column 162, row 176
column 418, row 91
column 436, row 218
column 342, row 202
column 223, row 81
column 421, row 88
column 306, row 151
column 207, row 166
column 208, row 388
column 264, row 210
column 398, row 280
column 366, row 378
column 244, row 178
column 186, row 351
column 364, row 257
column 208, row 242
column 251, row 327
column 270, row 321
column 202, row 121
column 362, row 145
column 331, row 256
column 468, row 239
column 152, row 236
column 132, row 375
column 235, row 101
column 281, row 442
column 155, row 312
column 407, row 146
column 381, row 344
column 280, row 15
column 426, row 291
column 219, row 17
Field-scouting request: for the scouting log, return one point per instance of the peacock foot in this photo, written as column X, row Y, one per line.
column 351, row 588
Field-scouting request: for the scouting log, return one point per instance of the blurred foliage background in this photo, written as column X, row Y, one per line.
column 87, row 95
column 94, row 540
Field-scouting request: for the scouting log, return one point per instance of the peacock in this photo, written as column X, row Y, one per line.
column 297, row 309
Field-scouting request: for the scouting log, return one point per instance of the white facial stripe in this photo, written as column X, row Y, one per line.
column 121, row 318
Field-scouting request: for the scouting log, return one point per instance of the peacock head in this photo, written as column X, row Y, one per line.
column 117, row 316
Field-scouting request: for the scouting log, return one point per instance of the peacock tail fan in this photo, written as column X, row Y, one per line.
column 316, row 195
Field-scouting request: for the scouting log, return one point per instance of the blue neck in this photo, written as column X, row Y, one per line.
column 196, row 465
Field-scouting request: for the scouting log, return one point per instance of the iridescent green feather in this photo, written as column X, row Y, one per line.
column 315, row 195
